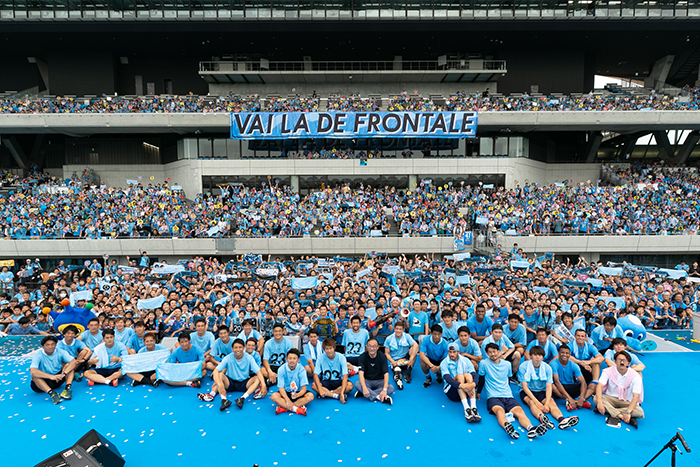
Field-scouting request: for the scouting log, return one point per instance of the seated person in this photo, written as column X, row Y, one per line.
column 50, row 368
column 542, row 340
column 603, row 335
column 354, row 340
column 233, row 375
column 620, row 392
column 76, row 349
column 331, row 373
column 292, row 395
column 201, row 338
column 536, row 378
column 569, row 383
column 221, row 348
column 187, row 353
column 507, row 349
column 494, row 374
column 136, row 343
column 460, row 376
column 107, row 360
column 468, row 347
column 586, row 356
column 374, row 374
column 23, row 328
column 401, row 351
column 147, row 377
column 275, row 352
column 480, row 324
column 433, row 350
column 249, row 332
column 312, row 351
column 515, row 331
column 618, row 345
column 92, row 336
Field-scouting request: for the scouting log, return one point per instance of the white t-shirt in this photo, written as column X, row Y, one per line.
column 612, row 388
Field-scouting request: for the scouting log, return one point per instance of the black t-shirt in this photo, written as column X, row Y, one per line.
column 374, row 368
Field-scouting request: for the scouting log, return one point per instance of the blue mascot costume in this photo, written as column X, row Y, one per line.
column 77, row 317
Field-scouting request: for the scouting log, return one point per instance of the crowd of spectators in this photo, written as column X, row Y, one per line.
column 542, row 295
column 689, row 99
column 352, row 103
column 653, row 201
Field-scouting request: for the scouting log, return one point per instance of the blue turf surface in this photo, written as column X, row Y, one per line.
column 680, row 337
column 170, row 427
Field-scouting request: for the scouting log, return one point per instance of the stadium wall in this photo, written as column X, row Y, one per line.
column 189, row 173
column 590, row 247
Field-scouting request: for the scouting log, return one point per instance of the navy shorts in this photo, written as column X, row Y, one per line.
column 574, row 390
column 434, row 362
column 507, row 403
column 539, row 395
column 237, row 386
column 331, row 385
column 52, row 384
column 353, row 360
column 148, row 374
column 105, row 372
column 452, row 393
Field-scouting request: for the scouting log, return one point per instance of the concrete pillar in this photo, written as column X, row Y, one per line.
column 591, row 151
column 659, row 73
column 295, row 183
column 412, row 182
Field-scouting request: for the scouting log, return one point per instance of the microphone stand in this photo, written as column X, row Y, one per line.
column 670, row 445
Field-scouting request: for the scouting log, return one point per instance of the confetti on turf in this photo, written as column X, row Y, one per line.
column 384, row 455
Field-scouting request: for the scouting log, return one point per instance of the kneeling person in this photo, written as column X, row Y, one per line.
column 331, row 373
column 459, row 375
column 233, row 375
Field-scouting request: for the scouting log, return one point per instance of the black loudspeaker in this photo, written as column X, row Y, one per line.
column 92, row 450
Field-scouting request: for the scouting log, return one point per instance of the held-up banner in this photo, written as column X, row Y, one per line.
column 291, row 125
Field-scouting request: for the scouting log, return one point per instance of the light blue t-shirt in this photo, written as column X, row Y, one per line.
column 496, row 378
column 203, row 343
column 276, row 352
column 416, row 322
column 472, row 347
column 567, row 374
column 51, row 364
column 253, row 333
column 238, row 370
column 354, row 342
column 460, row 367
column 449, row 334
column 144, row 349
column 256, row 357
column 610, row 354
column 192, row 355
column 220, row 349
column 599, row 333
column 117, row 350
column 292, row 380
column 124, row 336
column 586, row 352
column 481, row 329
column 73, row 350
column 398, row 348
column 331, row 370
column 432, row 350
column 534, row 377
column 136, row 342
column 313, row 352
column 519, row 336
column 550, row 350
column 90, row 340
column 500, row 343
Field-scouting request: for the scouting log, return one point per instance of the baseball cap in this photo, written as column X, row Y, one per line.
column 453, row 346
